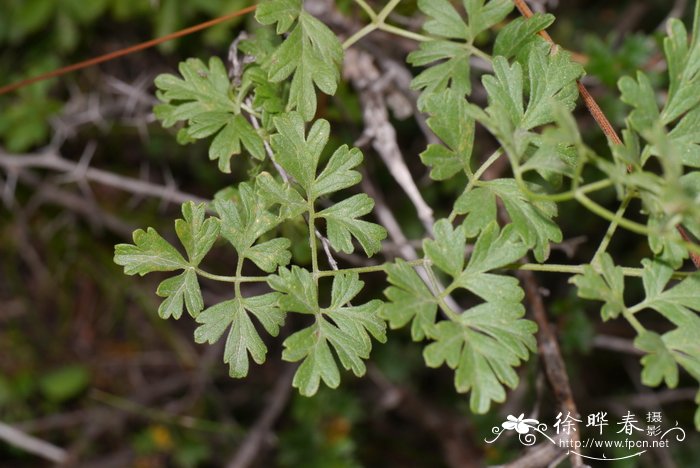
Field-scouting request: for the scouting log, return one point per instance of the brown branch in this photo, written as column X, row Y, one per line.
column 126, row 51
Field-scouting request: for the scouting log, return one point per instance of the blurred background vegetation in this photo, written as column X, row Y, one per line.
column 85, row 362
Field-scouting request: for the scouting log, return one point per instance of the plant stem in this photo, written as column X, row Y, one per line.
column 611, row 229
column 578, row 269
column 403, row 32
column 610, row 216
column 368, row 9
column 231, row 279
column 366, row 269
column 474, row 178
column 636, row 324
column 239, row 271
column 312, row 240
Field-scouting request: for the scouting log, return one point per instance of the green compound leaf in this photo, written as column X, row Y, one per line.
column 483, row 347
column 150, row 252
column 311, row 54
column 243, row 339
column 342, row 224
column 607, row 287
column 532, row 220
column 344, row 328
column 202, row 98
column 451, row 123
column 484, row 342
column 519, row 33
column 409, row 300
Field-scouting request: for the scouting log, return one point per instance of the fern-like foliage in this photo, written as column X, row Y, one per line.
column 267, row 112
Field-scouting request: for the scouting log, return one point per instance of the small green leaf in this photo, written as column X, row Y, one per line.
column 409, row 300
column 338, row 173
column 640, row 94
column 483, row 14
column 268, row 255
column 228, row 142
column 451, row 73
column 342, row 223
column 312, row 54
column 275, row 193
column 552, row 79
column 607, row 287
column 245, row 218
column 300, row 293
column 299, row 155
column 196, row 234
column 311, row 345
column 452, row 124
column 348, row 333
column 181, row 290
column 443, row 19
column 150, row 252
column 243, row 338
column 659, row 363
column 448, row 249
column 494, row 249
column 282, row 12
column 517, row 34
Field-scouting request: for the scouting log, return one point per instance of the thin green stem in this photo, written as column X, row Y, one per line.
column 404, row 33
column 368, row 9
column 563, row 196
column 479, row 53
column 611, row 229
column 610, row 216
column 636, row 324
column 441, row 294
column 367, row 269
column 474, row 178
column 239, row 272
column 359, row 35
column 384, row 13
column 479, row 172
column 578, row 269
column 231, row 279
column 312, row 240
